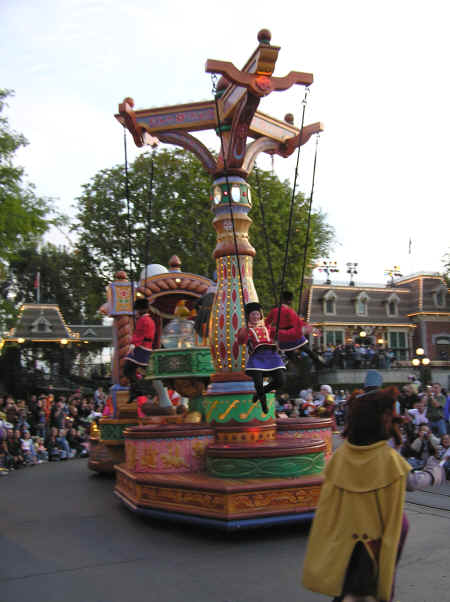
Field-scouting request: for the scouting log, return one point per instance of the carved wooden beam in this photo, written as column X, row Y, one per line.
column 128, row 119
column 257, row 84
column 287, row 148
column 190, row 143
column 274, row 147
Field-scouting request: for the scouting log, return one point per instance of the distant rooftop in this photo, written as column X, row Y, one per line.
column 386, row 284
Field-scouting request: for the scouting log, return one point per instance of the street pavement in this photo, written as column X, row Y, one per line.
column 65, row 537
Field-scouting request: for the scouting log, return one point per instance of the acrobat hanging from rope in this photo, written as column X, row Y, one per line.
column 263, row 357
column 141, row 346
column 291, row 330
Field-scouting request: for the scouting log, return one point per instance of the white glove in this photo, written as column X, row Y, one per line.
column 131, row 348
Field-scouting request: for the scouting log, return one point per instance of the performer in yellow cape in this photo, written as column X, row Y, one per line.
column 359, row 528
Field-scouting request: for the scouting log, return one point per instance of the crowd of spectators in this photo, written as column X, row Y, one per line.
column 46, row 428
column 422, row 413
column 357, row 356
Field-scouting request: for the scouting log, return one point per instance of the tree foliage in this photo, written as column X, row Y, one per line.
column 60, row 281
column 446, row 267
column 180, row 222
column 22, row 213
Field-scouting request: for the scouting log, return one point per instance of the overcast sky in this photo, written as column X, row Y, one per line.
column 381, row 89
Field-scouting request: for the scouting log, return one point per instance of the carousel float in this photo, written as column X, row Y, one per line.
column 225, row 464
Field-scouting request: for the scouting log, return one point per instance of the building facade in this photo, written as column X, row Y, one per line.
column 404, row 315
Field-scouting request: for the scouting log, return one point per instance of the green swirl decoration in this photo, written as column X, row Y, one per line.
column 252, row 468
column 113, row 432
column 223, row 408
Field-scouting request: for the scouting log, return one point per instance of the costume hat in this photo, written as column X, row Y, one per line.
column 253, row 306
column 373, row 379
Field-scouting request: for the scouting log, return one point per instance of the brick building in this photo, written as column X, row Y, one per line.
column 412, row 312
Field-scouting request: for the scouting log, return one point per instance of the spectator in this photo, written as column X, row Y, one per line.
column 58, row 415
column 445, row 451
column 29, row 452
column 99, row 397
column 41, row 452
column 435, row 412
column 423, row 446
column 61, row 440
column 76, row 442
column 55, row 452
column 14, row 449
column 419, row 413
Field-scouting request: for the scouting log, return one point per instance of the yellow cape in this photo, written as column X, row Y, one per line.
column 361, row 500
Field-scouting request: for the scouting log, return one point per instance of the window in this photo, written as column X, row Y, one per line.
column 442, row 347
column 392, row 305
column 361, row 304
column 329, row 303
column 439, row 295
column 398, row 342
column 334, row 337
column 41, row 324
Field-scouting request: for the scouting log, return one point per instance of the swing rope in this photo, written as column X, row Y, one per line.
column 291, row 214
column 308, row 229
column 266, row 237
column 127, row 196
column 225, row 168
column 149, row 217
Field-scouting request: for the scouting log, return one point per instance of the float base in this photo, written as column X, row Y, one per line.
column 229, row 504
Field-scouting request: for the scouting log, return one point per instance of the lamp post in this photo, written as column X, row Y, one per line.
column 328, row 267
column 393, row 273
column 421, row 363
column 352, row 271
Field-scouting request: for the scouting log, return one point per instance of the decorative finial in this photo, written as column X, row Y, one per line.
column 289, row 118
column 129, row 101
column 264, row 36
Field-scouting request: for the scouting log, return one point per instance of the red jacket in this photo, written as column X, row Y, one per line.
column 291, row 325
column 144, row 333
column 256, row 336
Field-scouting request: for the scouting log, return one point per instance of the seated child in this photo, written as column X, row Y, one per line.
column 263, row 358
column 41, row 452
column 27, row 445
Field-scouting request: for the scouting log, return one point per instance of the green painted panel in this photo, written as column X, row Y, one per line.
column 113, row 432
column 288, row 466
column 181, row 363
column 223, row 408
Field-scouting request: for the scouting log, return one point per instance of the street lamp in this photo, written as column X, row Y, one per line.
column 351, row 269
column 421, row 363
column 328, row 267
column 393, row 273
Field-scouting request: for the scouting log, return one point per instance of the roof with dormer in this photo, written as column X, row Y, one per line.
column 41, row 322
column 421, row 293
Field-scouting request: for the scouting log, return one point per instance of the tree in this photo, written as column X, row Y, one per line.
column 22, row 213
column 59, row 271
column 181, row 222
column 446, row 267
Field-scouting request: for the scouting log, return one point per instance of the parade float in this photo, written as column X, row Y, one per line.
column 237, row 467
column 184, row 363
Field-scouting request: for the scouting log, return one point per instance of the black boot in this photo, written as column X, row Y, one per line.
column 263, row 402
